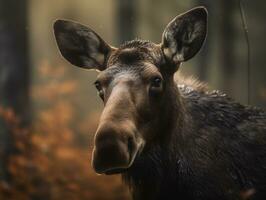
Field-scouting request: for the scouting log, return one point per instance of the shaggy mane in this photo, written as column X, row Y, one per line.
column 192, row 82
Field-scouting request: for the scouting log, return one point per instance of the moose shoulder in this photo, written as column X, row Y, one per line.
column 168, row 140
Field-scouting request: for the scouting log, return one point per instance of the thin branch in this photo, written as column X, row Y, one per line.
column 245, row 28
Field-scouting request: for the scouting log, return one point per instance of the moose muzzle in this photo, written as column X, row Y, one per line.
column 114, row 150
column 116, row 142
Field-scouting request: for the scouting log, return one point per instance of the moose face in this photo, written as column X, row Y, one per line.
column 134, row 83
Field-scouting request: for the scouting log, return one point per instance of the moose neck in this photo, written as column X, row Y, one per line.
column 154, row 164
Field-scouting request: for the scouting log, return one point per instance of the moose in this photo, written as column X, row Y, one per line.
column 169, row 139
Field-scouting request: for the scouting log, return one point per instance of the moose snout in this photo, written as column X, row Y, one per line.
column 114, row 149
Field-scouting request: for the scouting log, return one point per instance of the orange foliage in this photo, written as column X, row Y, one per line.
column 50, row 163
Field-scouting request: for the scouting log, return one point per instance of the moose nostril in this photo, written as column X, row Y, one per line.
column 130, row 145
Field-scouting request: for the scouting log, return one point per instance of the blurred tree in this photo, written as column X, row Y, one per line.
column 256, row 15
column 227, row 38
column 204, row 56
column 14, row 72
column 126, row 20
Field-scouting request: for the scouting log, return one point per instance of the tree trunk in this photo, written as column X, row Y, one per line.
column 126, row 20
column 14, row 73
column 227, row 44
column 204, row 56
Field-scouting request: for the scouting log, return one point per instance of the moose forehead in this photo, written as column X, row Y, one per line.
column 131, row 60
column 134, row 52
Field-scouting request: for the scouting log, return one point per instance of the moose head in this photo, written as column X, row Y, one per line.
column 135, row 83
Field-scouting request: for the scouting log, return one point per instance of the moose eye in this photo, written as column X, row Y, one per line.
column 99, row 88
column 156, row 86
column 97, row 85
column 156, row 82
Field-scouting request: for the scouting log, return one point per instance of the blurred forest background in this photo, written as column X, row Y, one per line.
column 49, row 109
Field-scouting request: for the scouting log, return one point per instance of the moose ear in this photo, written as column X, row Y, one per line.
column 184, row 35
column 80, row 45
